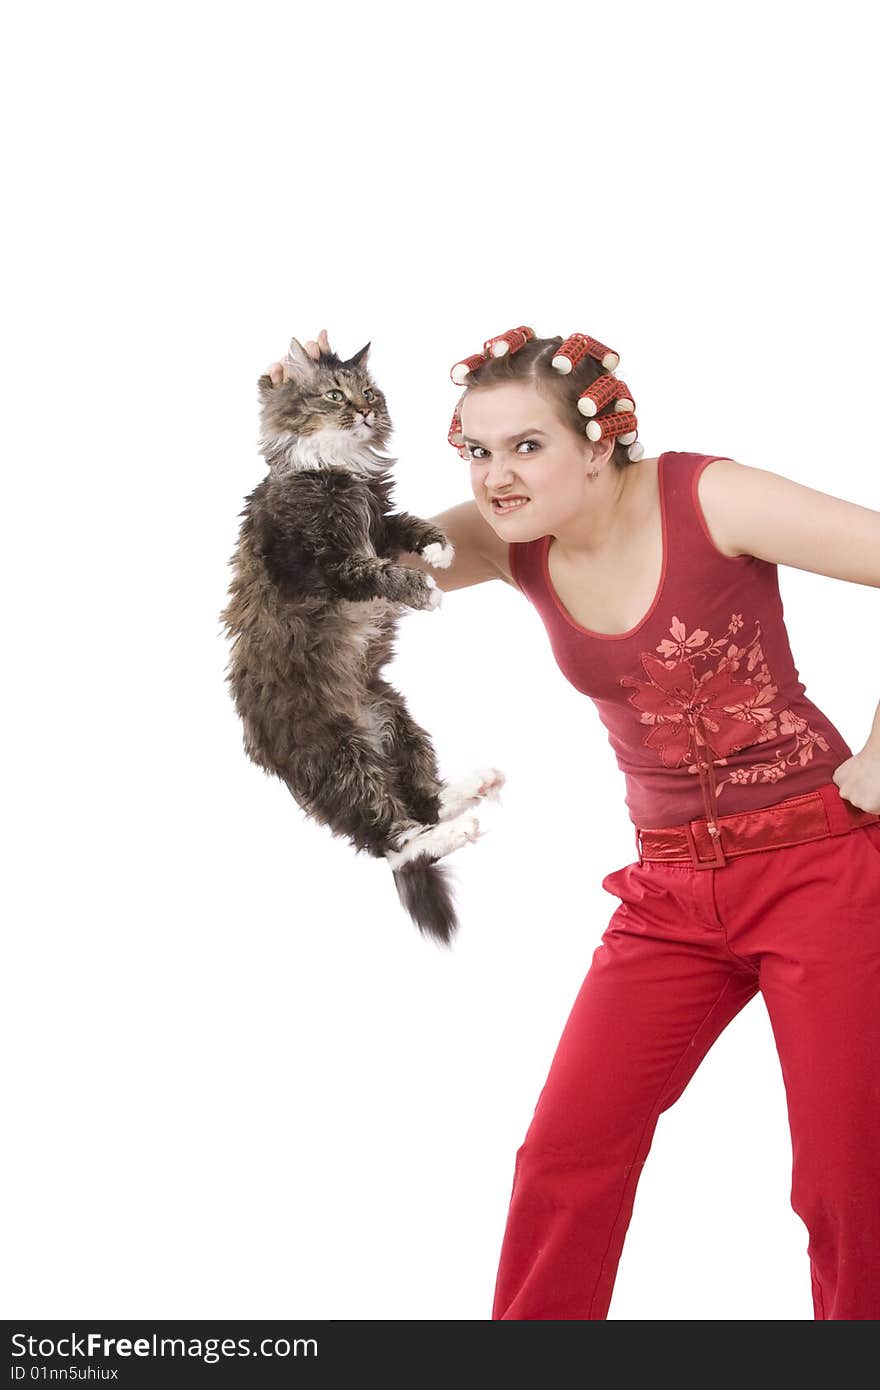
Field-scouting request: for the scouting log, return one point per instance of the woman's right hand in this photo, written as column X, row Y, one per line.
column 277, row 372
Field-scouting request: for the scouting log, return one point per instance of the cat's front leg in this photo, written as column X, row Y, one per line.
column 361, row 577
column 418, row 537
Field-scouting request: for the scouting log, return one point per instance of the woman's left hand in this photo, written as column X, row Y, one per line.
column 858, row 779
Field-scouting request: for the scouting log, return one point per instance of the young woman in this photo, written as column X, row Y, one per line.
column 757, row 827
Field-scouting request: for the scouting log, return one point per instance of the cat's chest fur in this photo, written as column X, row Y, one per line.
column 357, row 507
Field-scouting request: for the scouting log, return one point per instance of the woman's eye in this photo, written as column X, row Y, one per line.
column 477, row 449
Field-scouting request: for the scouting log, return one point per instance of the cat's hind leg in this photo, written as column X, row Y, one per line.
column 410, row 747
column 349, row 782
column 436, row 840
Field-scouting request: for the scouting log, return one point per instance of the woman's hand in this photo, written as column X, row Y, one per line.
column 858, row 779
column 278, row 370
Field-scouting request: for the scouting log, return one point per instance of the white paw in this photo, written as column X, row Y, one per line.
column 435, row 598
column 440, row 556
column 437, row 841
column 491, row 783
column 458, row 796
column 470, row 828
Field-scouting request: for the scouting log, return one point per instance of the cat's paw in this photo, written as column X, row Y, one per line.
column 439, row 555
column 435, row 841
column 458, row 796
column 404, row 584
column 469, row 829
column 435, row 597
column 491, row 783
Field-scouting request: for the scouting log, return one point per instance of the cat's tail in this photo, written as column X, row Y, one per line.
column 425, row 890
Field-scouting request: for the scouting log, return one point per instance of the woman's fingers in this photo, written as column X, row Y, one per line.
column 314, row 349
column 277, row 371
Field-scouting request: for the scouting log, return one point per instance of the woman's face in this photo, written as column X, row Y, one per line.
column 518, row 447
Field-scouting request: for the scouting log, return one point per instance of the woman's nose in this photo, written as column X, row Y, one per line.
column 499, row 468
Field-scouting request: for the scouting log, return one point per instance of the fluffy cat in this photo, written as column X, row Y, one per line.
column 312, row 615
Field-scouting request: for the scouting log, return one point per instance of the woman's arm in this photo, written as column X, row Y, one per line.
column 479, row 551
column 785, row 523
column 776, row 519
column 480, row 554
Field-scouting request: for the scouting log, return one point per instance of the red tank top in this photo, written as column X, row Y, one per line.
column 702, row 702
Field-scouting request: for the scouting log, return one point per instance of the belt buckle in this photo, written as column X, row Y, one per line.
column 718, row 859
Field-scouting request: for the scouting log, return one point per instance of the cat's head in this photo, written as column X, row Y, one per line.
column 325, row 412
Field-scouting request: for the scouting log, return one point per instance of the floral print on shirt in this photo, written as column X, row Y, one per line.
column 719, row 696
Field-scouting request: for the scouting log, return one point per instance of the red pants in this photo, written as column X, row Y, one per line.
column 681, row 955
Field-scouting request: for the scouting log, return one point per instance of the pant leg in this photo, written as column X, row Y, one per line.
column 819, row 944
column 661, row 987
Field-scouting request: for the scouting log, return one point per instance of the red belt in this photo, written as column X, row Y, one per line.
column 708, row 845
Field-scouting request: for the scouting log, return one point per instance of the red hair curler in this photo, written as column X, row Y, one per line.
column 455, row 436
column 467, row 364
column 511, row 341
column 612, row 427
column 623, row 427
column 600, row 392
column 578, row 346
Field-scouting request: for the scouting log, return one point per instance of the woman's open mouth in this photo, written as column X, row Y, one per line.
column 508, row 504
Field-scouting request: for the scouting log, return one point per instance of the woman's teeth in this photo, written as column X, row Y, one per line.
column 509, row 506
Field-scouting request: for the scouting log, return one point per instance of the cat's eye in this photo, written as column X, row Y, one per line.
column 334, row 395
column 369, row 395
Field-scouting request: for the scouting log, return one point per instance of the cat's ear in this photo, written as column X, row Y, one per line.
column 298, row 364
column 359, row 358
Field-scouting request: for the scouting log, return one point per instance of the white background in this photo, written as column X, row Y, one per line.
column 240, row 1084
